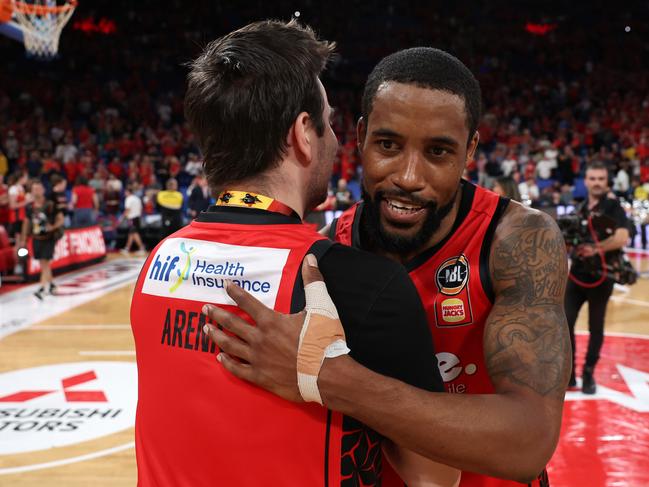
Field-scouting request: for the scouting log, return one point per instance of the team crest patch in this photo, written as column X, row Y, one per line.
column 452, row 303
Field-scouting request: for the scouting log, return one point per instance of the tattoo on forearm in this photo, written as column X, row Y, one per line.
column 526, row 340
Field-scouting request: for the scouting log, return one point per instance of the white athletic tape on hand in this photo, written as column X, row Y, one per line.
column 322, row 336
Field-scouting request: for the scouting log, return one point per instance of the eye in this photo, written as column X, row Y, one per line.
column 386, row 144
column 438, row 151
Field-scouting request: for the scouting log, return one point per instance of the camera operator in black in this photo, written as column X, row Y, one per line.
column 588, row 280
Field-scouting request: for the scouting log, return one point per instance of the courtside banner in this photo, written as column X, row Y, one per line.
column 196, row 270
column 76, row 247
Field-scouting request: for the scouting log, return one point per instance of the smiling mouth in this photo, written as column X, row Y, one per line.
column 403, row 208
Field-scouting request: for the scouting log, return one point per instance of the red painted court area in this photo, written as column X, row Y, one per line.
column 605, row 438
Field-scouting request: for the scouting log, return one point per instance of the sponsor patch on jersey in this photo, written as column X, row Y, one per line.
column 452, row 276
column 453, row 310
column 196, row 270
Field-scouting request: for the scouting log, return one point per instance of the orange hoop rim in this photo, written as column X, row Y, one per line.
column 30, row 9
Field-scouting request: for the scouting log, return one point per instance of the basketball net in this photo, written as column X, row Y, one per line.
column 42, row 22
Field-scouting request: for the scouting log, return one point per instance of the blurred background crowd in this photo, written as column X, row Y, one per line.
column 104, row 122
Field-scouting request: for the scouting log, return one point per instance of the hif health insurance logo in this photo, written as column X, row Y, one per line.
column 162, row 268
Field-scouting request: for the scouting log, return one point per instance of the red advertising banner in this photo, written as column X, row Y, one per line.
column 77, row 247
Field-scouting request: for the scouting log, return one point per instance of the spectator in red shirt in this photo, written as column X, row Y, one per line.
column 85, row 203
column 115, row 167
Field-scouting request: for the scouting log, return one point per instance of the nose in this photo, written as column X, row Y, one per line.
column 410, row 173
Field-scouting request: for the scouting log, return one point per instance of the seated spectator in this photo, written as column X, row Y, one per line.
column 529, row 191
column 193, row 167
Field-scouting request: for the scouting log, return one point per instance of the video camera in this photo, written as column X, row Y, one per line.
column 576, row 231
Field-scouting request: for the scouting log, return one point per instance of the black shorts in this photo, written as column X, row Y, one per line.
column 134, row 225
column 16, row 228
column 44, row 249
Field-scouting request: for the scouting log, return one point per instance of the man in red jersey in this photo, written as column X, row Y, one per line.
column 491, row 274
column 261, row 116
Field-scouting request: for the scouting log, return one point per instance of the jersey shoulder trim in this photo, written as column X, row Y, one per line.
column 485, row 276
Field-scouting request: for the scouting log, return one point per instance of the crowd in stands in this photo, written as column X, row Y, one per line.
column 102, row 126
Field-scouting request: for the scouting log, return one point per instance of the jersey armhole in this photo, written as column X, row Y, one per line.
column 485, row 277
column 319, row 249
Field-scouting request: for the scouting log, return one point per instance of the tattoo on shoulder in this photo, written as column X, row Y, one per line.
column 526, row 338
column 532, row 260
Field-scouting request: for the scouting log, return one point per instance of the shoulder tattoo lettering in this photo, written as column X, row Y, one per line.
column 526, row 338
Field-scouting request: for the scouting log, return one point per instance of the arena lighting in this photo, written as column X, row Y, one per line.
column 22, row 252
column 296, row 14
column 539, row 29
column 102, row 26
column 627, row 29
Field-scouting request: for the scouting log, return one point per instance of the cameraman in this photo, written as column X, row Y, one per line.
column 588, row 280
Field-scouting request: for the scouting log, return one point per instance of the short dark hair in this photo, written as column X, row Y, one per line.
column 597, row 164
column 245, row 91
column 427, row 67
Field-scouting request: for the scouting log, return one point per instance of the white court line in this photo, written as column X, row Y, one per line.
column 20, row 309
column 637, row 302
column 58, row 463
column 616, row 334
column 80, row 327
column 114, row 353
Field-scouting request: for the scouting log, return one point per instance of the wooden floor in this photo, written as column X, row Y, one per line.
column 98, row 331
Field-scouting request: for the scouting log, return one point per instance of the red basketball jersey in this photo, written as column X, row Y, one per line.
column 453, row 281
column 197, row 425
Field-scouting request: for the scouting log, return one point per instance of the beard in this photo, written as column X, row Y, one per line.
column 319, row 184
column 379, row 237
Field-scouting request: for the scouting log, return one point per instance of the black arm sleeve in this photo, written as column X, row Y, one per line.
column 385, row 323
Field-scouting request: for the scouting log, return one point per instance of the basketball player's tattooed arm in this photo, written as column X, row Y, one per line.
column 526, row 342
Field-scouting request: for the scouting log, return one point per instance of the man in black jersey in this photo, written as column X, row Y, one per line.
column 274, row 172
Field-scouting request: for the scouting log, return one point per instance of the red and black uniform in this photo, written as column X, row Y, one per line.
column 197, row 425
column 454, row 284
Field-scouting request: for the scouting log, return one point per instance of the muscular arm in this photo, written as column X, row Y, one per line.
column 616, row 241
column 512, row 433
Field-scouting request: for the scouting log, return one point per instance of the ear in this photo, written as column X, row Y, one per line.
column 473, row 145
column 301, row 138
column 361, row 133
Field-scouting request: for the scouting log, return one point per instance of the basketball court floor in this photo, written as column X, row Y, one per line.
column 68, row 388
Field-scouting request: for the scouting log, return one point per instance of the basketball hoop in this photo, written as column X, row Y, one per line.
column 42, row 22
